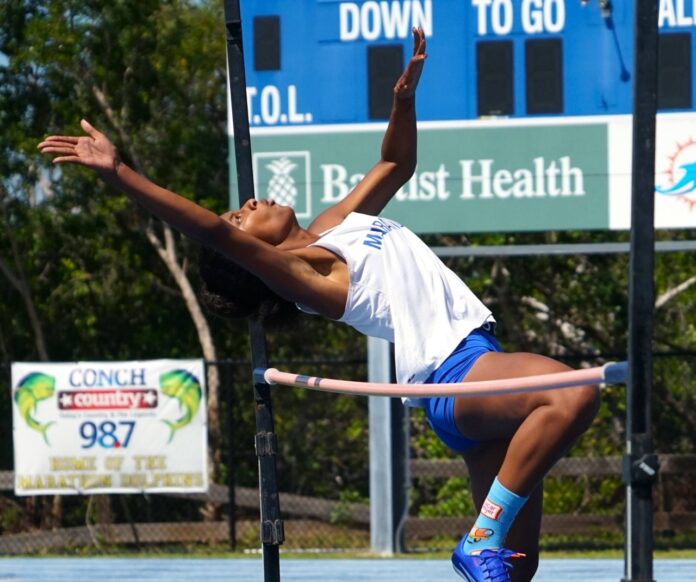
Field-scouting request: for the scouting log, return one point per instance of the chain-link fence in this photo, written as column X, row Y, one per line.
column 323, row 480
column 322, row 460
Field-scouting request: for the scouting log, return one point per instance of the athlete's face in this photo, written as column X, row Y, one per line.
column 263, row 219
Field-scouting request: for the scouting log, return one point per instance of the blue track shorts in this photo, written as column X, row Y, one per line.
column 440, row 411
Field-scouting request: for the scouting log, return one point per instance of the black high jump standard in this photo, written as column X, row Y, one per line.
column 271, row 527
column 640, row 462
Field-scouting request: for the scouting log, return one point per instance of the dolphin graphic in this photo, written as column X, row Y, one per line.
column 31, row 389
column 686, row 184
column 186, row 388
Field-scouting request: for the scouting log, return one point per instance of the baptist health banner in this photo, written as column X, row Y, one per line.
column 498, row 175
column 109, row 427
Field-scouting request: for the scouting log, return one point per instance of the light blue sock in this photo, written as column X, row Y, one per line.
column 493, row 523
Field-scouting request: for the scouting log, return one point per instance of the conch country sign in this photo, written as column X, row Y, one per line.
column 109, row 427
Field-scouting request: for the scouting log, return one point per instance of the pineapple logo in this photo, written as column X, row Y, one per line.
column 284, row 178
column 281, row 187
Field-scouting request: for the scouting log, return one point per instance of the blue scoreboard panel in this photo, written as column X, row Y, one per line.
column 334, row 62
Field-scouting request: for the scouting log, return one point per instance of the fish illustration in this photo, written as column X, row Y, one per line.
column 479, row 533
column 685, row 185
column 186, row 388
column 31, row 390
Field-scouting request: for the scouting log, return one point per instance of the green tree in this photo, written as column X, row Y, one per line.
column 152, row 75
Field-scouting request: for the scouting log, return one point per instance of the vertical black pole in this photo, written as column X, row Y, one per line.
column 640, row 464
column 271, row 525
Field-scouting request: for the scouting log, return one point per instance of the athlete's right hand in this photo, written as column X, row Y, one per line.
column 93, row 151
column 406, row 84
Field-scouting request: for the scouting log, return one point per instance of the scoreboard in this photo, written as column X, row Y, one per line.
column 323, row 61
column 523, row 107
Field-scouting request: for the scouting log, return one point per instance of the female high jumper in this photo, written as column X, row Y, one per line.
column 377, row 276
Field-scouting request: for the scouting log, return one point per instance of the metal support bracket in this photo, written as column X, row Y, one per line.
column 258, row 375
column 266, row 444
column 272, row 532
column 639, row 469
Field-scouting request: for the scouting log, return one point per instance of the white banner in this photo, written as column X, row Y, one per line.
column 675, row 171
column 109, row 427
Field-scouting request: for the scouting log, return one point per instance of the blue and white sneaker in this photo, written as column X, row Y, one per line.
column 487, row 566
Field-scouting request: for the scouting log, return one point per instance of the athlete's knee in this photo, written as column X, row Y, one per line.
column 578, row 406
column 587, row 403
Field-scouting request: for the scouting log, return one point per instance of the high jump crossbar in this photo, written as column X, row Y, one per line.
column 611, row 373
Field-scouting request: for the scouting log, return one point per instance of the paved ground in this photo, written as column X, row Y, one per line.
column 301, row 570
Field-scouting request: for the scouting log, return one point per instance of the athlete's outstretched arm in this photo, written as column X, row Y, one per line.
column 96, row 152
column 399, row 150
column 289, row 276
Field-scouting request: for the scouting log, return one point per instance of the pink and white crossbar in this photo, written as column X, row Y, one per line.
column 612, row 373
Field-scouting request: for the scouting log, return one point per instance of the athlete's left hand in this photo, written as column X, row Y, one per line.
column 406, row 85
column 93, row 150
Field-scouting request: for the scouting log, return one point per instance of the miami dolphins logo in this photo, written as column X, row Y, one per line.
column 186, row 389
column 31, row 390
column 681, row 174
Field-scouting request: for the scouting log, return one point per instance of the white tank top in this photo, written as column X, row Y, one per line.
column 401, row 291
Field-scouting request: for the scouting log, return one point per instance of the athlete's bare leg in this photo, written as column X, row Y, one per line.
column 539, row 426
